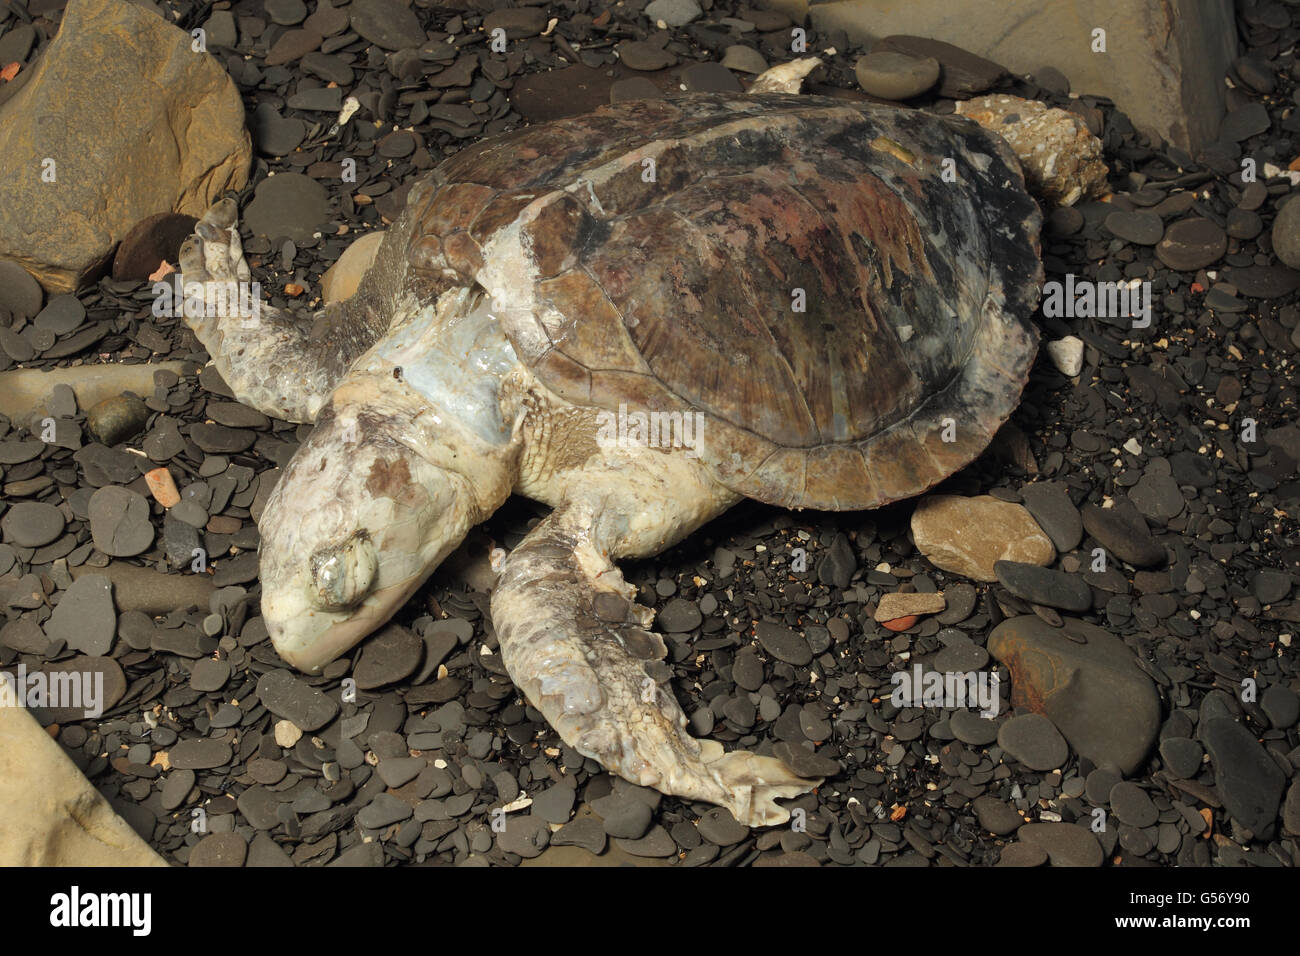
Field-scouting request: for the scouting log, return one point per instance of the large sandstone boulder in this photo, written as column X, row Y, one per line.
column 1163, row 62
column 50, row 815
column 118, row 119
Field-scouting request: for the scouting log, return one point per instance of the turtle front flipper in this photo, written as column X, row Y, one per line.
column 578, row 647
column 279, row 363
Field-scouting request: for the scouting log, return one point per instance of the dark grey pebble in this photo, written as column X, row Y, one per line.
column 623, row 816
column 1050, row 505
column 783, row 643
column 1069, row 592
column 119, row 521
column 996, row 816
column 1247, row 779
column 387, row 657
column 85, row 619
column 1123, row 533
column 385, row 809
column 804, row 761
column 31, row 524
column 524, row 835
column 586, row 833
column 970, row 728
column 286, row 696
column 209, row 675
column 679, row 616
column 1034, row 741
column 200, row 753
column 1182, row 756
column 1131, row 805
column 719, row 827
column 1066, row 844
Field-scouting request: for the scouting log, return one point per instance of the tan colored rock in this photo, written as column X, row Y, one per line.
column 134, row 122
column 340, row 280
column 897, row 604
column 968, row 535
column 24, row 391
column 50, row 815
column 1163, row 63
column 1062, row 161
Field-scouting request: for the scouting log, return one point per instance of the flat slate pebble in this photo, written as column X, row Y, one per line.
column 1065, row 843
column 783, row 643
column 31, row 524
column 1139, row 227
column 803, row 761
column 1132, row 805
column 119, row 521
column 387, row 657
column 524, row 835
column 1069, row 592
column 719, row 827
column 679, row 616
column 294, row 700
column 209, row 675
column 219, row 849
column 200, row 753
column 1182, row 756
column 624, row 816
column 970, row 728
column 1034, row 741
column 997, row 816
column 85, row 619
column 1192, row 244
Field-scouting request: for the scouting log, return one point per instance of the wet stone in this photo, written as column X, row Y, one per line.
column 896, row 76
column 679, row 616
column 1022, row 854
column 638, row 55
column 387, row 23
column 709, row 77
column 219, row 849
column 586, row 833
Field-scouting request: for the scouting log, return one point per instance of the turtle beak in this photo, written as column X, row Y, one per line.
column 314, row 636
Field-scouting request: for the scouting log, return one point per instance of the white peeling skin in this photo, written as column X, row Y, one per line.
column 586, row 673
column 386, row 486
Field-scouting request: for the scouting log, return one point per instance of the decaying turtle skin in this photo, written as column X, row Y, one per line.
column 836, row 293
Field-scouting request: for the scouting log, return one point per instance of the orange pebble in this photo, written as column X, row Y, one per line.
column 164, row 269
column 10, row 70
column 162, row 487
column 294, row 289
column 901, row 623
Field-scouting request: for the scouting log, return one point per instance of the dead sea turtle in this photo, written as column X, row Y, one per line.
column 640, row 317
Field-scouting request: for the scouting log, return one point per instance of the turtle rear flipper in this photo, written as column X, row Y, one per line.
column 279, row 363
column 576, row 645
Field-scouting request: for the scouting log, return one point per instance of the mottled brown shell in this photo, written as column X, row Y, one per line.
column 655, row 254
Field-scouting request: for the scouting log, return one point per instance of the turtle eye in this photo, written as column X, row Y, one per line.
column 342, row 574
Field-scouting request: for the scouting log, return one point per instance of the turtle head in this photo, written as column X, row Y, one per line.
column 355, row 525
